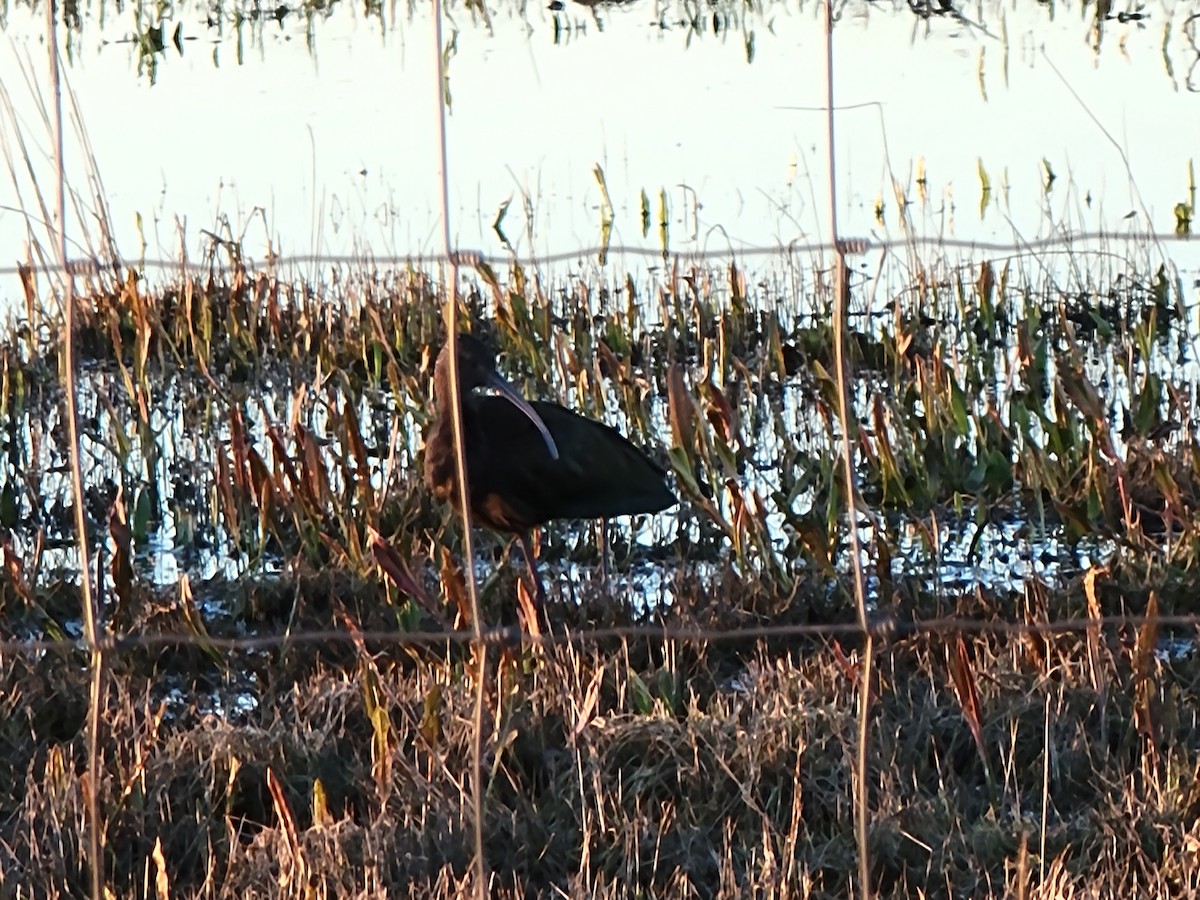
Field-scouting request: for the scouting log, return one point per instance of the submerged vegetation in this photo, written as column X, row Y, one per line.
column 162, row 32
column 1025, row 452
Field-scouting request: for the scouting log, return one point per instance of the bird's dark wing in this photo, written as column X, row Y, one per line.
column 598, row 473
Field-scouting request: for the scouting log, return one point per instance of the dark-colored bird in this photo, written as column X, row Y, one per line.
column 530, row 462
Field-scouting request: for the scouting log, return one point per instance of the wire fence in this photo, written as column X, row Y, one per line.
column 881, row 626
column 1074, row 241
column 876, row 627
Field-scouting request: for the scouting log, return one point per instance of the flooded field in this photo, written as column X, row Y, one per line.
column 314, row 130
column 295, row 692
column 236, row 418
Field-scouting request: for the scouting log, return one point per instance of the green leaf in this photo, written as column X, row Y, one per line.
column 681, row 465
column 643, row 701
column 1147, row 415
column 958, row 407
column 141, row 517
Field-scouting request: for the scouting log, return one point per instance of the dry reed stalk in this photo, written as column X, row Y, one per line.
column 451, row 315
column 841, row 294
column 90, row 612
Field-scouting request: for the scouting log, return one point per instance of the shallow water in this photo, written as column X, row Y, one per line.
column 319, row 137
column 781, row 444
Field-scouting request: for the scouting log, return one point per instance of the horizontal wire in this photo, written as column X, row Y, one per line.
column 882, row 627
column 860, row 246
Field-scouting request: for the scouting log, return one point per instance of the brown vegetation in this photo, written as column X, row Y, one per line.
column 277, row 432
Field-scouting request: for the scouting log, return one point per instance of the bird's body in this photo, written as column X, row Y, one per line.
column 516, row 485
column 530, row 463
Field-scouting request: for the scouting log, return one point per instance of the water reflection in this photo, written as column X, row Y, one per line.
column 315, row 158
column 781, row 448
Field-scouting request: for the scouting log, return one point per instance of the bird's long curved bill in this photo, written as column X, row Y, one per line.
column 512, row 396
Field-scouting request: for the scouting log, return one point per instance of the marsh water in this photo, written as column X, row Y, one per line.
column 613, row 147
column 314, row 130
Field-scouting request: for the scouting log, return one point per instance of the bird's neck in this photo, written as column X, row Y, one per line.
column 442, row 392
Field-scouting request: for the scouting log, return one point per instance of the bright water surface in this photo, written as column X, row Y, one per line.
column 329, row 146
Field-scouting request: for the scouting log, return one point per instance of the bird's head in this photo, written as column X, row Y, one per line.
column 476, row 364
column 477, row 369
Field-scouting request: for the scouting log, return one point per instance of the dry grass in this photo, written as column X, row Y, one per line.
column 707, row 770
column 1016, row 766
